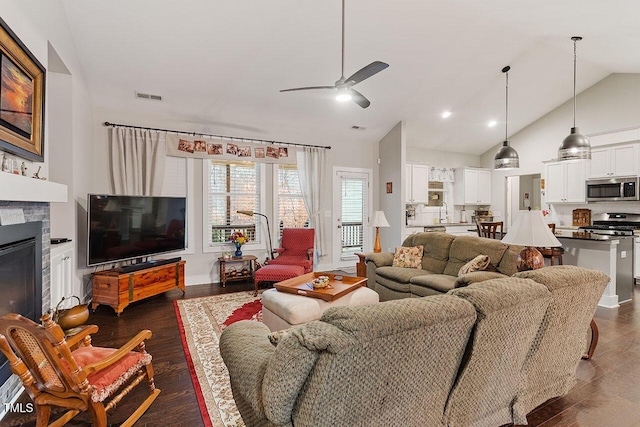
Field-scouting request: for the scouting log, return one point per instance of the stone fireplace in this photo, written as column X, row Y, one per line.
column 36, row 228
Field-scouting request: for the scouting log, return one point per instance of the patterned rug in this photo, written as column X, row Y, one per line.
column 201, row 321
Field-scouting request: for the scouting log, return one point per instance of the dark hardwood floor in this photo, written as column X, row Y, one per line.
column 607, row 393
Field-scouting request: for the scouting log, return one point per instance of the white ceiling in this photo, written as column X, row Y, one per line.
column 220, row 64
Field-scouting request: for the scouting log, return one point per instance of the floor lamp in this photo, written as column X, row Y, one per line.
column 252, row 213
column 530, row 231
column 379, row 220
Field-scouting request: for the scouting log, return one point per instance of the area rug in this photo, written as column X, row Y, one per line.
column 201, row 321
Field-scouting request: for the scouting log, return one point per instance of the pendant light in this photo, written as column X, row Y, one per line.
column 506, row 157
column 575, row 146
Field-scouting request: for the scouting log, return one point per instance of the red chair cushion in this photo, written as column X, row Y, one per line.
column 109, row 379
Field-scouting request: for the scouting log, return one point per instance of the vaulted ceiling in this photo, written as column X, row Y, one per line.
column 219, row 65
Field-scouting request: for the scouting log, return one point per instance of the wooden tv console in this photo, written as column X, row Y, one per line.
column 118, row 290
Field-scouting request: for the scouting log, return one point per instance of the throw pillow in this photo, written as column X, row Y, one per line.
column 276, row 336
column 408, row 257
column 479, row 263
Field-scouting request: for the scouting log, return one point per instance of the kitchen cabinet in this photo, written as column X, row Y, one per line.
column 565, row 182
column 472, row 186
column 619, row 160
column 417, row 183
column 61, row 270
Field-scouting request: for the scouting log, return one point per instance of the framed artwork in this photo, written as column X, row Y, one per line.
column 22, row 80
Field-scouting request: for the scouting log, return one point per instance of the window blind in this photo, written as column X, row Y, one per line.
column 232, row 186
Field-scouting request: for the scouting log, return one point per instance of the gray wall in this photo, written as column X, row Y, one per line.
column 392, row 151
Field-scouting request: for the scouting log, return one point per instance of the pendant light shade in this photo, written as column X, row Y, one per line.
column 575, row 146
column 507, row 156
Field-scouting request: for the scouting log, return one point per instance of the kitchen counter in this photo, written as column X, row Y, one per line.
column 613, row 255
column 581, row 235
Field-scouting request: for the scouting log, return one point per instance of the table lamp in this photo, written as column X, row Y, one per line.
column 379, row 220
column 252, row 213
column 530, row 231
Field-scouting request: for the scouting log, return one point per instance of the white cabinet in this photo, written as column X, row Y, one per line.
column 565, row 182
column 619, row 160
column 61, row 263
column 472, row 186
column 409, row 230
column 417, row 183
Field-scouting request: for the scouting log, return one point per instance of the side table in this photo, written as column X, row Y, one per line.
column 232, row 275
column 361, row 267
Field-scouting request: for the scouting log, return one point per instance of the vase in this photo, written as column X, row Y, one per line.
column 238, row 252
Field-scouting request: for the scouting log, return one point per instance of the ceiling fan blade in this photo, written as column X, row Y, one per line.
column 359, row 99
column 307, row 88
column 364, row 73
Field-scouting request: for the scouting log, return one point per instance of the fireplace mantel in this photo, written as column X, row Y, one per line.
column 18, row 188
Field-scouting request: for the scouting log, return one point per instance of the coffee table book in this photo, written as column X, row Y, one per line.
column 302, row 285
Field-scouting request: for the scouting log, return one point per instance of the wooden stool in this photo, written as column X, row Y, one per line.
column 553, row 254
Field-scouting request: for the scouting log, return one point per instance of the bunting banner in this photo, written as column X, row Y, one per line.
column 203, row 147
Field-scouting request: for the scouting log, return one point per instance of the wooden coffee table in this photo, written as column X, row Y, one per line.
column 340, row 285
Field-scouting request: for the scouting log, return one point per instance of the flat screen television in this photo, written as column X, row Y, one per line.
column 133, row 227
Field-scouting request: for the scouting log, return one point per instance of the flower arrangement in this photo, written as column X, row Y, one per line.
column 545, row 212
column 238, row 238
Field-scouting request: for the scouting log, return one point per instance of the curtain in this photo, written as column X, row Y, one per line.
column 311, row 168
column 137, row 161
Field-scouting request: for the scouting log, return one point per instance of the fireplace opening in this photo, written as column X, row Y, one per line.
column 20, row 275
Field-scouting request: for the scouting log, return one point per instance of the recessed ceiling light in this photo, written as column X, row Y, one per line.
column 492, row 123
column 446, row 114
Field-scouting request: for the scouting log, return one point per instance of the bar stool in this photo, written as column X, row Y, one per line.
column 553, row 254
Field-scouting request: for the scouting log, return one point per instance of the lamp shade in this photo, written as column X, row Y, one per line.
column 379, row 220
column 575, row 147
column 531, row 230
column 506, row 158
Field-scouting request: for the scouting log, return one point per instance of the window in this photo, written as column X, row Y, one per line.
column 230, row 187
column 291, row 208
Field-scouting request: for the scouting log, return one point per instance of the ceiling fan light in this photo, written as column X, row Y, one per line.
column 575, row 147
column 343, row 94
column 506, row 158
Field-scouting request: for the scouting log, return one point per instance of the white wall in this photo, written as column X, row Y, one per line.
column 392, row 151
column 444, row 159
column 68, row 149
column 203, row 267
column 608, row 105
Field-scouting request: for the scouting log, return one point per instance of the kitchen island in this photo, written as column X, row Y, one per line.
column 610, row 254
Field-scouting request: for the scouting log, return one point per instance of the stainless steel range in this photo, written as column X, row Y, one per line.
column 616, row 224
column 625, row 226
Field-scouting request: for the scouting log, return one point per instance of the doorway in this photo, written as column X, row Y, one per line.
column 351, row 213
column 523, row 192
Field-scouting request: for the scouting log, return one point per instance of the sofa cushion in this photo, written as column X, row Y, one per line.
column 436, row 249
column 408, row 257
column 475, row 277
column 508, row 264
column 465, row 248
column 399, row 274
column 440, row 282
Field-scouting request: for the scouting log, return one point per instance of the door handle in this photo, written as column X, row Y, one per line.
column 339, row 226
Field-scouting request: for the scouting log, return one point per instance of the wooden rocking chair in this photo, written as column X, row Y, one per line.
column 72, row 374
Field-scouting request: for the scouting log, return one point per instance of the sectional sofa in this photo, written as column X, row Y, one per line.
column 443, row 256
column 482, row 355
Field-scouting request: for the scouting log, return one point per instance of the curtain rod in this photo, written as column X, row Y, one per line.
column 262, row 141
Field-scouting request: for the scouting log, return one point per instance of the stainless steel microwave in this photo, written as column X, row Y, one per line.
column 612, row 189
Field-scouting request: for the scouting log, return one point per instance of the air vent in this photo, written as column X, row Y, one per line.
column 148, row 96
column 356, row 127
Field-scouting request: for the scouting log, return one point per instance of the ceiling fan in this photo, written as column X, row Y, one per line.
column 344, row 86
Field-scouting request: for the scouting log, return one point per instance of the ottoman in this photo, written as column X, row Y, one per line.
column 276, row 273
column 282, row 310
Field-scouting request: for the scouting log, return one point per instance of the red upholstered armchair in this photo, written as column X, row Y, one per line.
column 296, row 248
